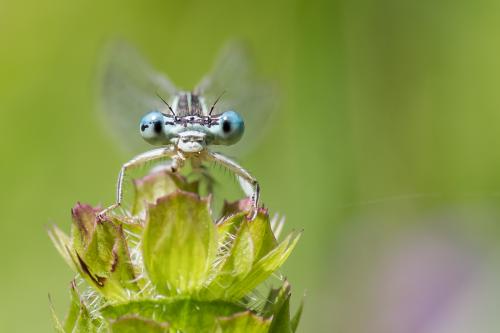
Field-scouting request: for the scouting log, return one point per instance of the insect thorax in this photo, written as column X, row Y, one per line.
column 189, row 104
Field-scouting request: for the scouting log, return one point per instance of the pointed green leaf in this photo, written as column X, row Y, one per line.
column 74, row 309
column 79, row 319
column 281, row 319
column 246, row 322
column 84, row 221
column 294, row 323
column 268, row 309
column 252, row 241
column 99, row 252
column 57, row 323
column 179, row 243
column 236, row 265
column 240, row 261
column 156, row 185
column 188, row 316
column 264, row 267
column 136, row 324
column 276, row 299
column 106, row 263
column 260, row 228
column 61, row 242
column 122, row 270
column 262, row 236
column 228, row 227
column 84, row 323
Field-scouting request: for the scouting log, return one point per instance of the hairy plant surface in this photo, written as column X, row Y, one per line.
column 164, row 265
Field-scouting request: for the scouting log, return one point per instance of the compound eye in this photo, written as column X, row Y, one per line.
column 230, row 129
column 152, row 127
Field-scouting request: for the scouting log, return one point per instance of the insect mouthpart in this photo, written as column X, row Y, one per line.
column 191, row 141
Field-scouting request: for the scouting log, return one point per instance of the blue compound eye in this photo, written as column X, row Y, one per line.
column 230, row 128
column 152, row 128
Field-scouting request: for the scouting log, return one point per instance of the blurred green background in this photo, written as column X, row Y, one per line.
column 385, row 148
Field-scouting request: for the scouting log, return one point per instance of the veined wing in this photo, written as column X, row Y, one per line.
column 129, row 88
column 233, row 76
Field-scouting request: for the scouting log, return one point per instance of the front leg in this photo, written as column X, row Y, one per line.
column 137, row 161
column 243, row 174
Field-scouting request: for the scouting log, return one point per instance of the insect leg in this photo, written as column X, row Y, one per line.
column 136, row 161
column 244, row 175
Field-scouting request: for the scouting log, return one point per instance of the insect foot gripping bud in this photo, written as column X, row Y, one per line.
column 166, row 266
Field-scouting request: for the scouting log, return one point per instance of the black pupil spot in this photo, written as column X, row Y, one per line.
column 226, row 126
column 157, row 127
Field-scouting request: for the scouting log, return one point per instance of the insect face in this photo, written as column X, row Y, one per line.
column 191, row 141
column 192, row 133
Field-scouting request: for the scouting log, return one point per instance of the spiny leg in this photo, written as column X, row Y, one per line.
column 243, row 174
column 137, row 161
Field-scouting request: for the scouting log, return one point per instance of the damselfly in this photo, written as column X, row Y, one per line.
column 184, row 124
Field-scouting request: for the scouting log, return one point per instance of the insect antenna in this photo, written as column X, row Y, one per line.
column 215, row 103
column 164, row 101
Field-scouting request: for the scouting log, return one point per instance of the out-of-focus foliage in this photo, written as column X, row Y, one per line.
column 383, row 148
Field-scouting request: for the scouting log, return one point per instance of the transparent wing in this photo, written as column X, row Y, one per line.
column 233, row 76
column 128, row 90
